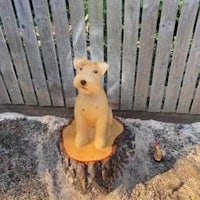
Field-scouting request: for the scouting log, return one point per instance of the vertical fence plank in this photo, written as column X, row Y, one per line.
column 96, row 29
column 191, row 74
column 131, row 20
column 8, row 73
column 187, row 19
column 17, row 52
column 148, row 27
column 59, row 12
column 78, row 27
column 27, row 29
column 165, row 37
column 4, row 98
column 195, row 109
column 114, row 31
column 42, row 20
column 23, row 44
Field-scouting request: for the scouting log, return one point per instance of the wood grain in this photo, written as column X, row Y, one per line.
column 191, row 73
column 78, row 27
column 195, row 109
column 61, row 26
column 8, row 73
column 42, row 20
column 148, row 28
column 183, row 37
column 114, row 32
column 4, row 98
column 131, row 23
column 17, row 51
column 30, row 44
column 39, row 40
column 96, row 30
column 165, row 37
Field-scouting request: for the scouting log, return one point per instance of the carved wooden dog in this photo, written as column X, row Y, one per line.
column 93, row 114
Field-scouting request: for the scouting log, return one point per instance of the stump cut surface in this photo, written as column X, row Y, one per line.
column 89, row 153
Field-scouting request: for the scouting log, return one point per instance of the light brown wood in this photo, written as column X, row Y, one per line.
column 103, row 171
column 89, row 153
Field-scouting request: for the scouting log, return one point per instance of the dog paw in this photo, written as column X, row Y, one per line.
column 80, row 142
column 99, row 144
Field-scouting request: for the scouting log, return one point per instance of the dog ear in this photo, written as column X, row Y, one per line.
column 103, row 67
column 78, row 61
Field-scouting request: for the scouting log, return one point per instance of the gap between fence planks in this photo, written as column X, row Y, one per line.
column 183, row 39
column 114, row 33
column 148, row 29
column 61, row 26
column 165, row 37
column 30, row 43
column 42, row 20
column 8, row 73
column 131, row 24
column 17, row 51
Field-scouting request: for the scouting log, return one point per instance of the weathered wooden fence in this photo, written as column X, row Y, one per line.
column 151, row 46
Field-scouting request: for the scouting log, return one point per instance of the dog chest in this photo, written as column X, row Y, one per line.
column 91, row 108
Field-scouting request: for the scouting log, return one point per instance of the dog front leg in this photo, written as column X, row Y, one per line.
column 82, row 135
column 101, row 133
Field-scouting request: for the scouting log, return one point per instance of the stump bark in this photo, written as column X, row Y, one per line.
column 102, row 173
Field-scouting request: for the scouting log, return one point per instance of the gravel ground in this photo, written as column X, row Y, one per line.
column 31, row 163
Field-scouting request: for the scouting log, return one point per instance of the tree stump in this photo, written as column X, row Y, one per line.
column 88, row 168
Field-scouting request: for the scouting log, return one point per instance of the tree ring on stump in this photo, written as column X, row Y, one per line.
column 90, row 169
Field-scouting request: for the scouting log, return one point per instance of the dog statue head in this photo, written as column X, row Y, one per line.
column 88, row 75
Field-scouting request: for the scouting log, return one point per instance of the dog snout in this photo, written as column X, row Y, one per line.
column 83, row 82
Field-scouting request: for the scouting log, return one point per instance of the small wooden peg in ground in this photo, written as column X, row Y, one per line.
column 159, row 153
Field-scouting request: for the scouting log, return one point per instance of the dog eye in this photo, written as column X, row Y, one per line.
column 80, row 68
column 95, row 71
